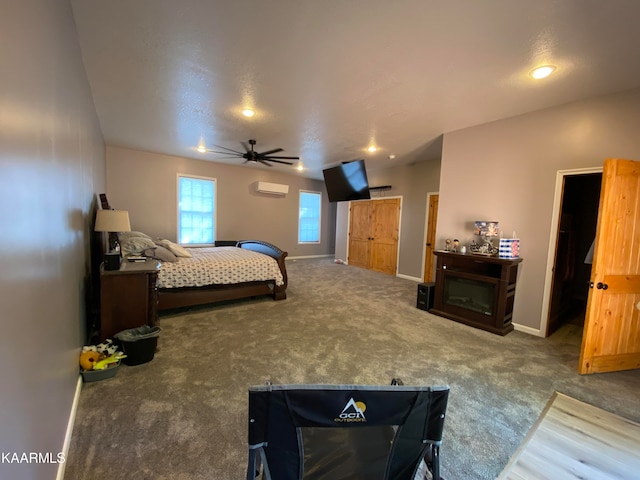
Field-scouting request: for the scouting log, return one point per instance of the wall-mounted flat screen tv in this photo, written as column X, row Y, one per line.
column 347, row 182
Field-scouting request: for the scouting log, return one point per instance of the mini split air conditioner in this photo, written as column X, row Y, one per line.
column 272, row 188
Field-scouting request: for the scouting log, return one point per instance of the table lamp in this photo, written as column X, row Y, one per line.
column 112, row 222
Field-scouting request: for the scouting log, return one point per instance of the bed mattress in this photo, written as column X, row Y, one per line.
column 219, row 266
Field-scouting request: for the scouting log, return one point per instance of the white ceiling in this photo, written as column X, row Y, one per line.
column 329, row 77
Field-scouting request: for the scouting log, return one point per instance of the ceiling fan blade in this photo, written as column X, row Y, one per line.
column 225, row 148
column 269, row 152
column 234, row 157
column 283, row 158
column 264, row 163
column 278, row 161
column 232, row 153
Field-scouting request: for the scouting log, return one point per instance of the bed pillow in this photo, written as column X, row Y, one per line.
column 176, row 249
column 160, row 253
column 135, row 245
column 127, row 235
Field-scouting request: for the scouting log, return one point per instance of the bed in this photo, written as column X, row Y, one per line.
column 262, row 273
column 174, row 295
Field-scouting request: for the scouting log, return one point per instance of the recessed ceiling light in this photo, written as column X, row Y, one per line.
column 247, row 112
column 542, row 72
column 372, row 149
column 202, row 149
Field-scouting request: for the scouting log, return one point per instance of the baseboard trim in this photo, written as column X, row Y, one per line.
column 407, row 277
column 302, row 257
column 70, row 423
column 531, row 331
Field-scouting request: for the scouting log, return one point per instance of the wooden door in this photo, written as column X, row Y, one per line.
column 430, row 241
column 384, row 235
column 360, row 234
column 611, row 337
column 373, row 234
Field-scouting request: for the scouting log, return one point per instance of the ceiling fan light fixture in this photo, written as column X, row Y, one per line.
column 248, row 112
column 250, row 155
column 201, row 149
column 542, row 72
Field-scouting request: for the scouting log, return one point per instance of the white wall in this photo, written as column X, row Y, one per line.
column 52, row 162
column 506, row 171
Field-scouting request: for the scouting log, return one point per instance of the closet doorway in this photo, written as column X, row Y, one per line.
column 374, row 227
column 577, row 221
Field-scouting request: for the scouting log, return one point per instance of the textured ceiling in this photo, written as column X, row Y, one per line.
column 328, row 78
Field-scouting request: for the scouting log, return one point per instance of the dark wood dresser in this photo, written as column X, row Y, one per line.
column 128, row 297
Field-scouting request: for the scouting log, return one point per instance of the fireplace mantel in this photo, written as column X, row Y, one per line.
column 476, row 290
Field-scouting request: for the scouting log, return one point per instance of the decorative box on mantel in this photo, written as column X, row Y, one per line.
column 476, row 290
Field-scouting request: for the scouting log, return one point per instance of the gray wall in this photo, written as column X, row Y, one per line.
column 412, row 183
column 145, row 183
column 52, row 162
column 506, row 171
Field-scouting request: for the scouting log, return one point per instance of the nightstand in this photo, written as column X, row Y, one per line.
column 128, row 297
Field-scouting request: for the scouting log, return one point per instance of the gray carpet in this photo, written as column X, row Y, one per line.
column 183, row 415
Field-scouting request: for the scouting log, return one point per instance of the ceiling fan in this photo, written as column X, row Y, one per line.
column 252, row 156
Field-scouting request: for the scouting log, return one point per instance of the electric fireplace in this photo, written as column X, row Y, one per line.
column 476, row 290
column 478, row 296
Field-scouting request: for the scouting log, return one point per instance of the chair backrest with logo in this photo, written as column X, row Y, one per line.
column 313, row 432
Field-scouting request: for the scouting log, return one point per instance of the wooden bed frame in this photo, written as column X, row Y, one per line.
column 169, row 298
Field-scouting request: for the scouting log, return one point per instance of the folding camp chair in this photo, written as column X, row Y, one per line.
column 334, row 432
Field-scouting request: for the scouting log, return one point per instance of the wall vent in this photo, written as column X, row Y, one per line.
column 272, row 188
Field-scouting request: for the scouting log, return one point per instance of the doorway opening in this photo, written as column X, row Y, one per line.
column 428, row 275
column 576, row 228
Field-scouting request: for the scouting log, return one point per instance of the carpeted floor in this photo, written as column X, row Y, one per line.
column 183, row 415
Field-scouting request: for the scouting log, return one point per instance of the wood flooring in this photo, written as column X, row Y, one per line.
column 575, row 440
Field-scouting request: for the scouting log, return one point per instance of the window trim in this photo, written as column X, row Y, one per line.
column 215, row 208
column 315, row 242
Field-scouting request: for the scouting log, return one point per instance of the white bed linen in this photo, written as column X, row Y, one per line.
column 219, row 265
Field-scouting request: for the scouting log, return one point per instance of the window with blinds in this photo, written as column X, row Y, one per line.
column 196, row 210
column 309, row 217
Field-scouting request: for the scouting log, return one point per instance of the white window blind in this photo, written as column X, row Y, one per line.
column 196, row 210
column 309, row 217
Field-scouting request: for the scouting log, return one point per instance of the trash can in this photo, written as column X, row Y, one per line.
column 138, row 344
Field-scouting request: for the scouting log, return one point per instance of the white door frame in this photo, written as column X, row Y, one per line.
column 553, row 239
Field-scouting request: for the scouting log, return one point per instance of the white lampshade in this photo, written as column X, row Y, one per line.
column 112, row 221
